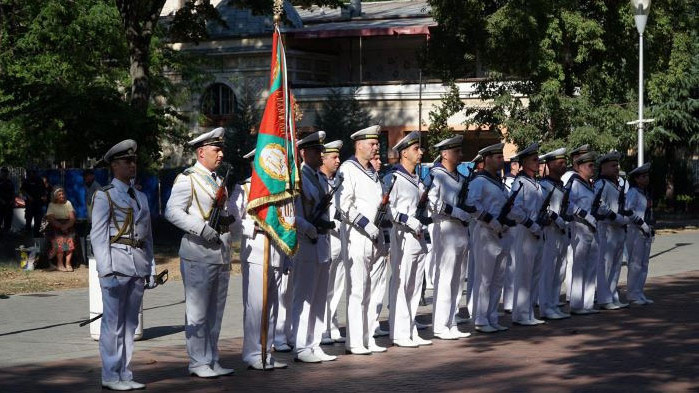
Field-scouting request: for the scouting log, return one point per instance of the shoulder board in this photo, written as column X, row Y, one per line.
column 107, row 187
column 188, row 171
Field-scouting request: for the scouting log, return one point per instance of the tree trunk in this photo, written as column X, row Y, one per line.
column 139, row 18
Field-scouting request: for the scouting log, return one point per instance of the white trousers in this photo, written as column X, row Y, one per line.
column 451, row 243
column 121, row 302
column 489, row 256
column 583, row 280
column 508, row 290
column 205, row 291
column 309, row 304
column 407, row 268
column 569, row 262
column 430, row 261
column 611, row 248
column 527, row 261
column 361, row 255
column 377, row 279
column 336, row 290
column 470, row 268
column 283, row 331
column 253, row 283
column 552, row 269
column 639, row 253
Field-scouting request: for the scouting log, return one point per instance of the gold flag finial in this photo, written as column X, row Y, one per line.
column 278, row 8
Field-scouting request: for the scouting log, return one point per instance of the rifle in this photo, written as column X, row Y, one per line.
column 597, row 202
column 216, row 221
column 507, row 207
column 383, row 206
column 463, row 195
column 322, row 208
column 160, row 279
column 543, row 218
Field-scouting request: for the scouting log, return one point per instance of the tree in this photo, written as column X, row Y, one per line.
column 340, row 116
column 562, row 72
column 439, row 128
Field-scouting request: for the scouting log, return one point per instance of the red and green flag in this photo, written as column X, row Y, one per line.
column 275, row 181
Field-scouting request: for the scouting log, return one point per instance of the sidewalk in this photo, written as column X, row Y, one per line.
column 650, row 348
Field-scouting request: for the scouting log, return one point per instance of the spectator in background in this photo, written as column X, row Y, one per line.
column 34, row 193
column 91, row 186
column 48, row 190
column 7, row 200
column 61, row 217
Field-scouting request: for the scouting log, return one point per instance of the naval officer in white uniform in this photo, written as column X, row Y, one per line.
column 336, row 276
column 204, row 253
column 407, row 255
column 450, row 238
column 358, row 200
column 640, row 234
column 252, row 243
column 122, row 242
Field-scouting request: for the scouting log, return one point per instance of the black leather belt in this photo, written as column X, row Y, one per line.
column 131, row 242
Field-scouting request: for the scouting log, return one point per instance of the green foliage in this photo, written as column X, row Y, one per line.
column 241, row 133
column 65, row 79
column 565, row 72
column 340, row 116
column 439, row 128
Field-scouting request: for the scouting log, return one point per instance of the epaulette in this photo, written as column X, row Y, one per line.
column 188, row 171
column 107, row 187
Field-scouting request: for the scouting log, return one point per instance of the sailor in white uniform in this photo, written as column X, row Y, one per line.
column 584, row 239
column 312, row 261
column 252, row 243
column 336, row 276
column 527, row 237
column 611, row 231
column 407, row 256
column 379, row 272
column 470, row 262
column 204, row 253
column 447, row 197
column 574, row 154
column 640, row 233
column 358, row 200
column 488, row 195
column 553, row 257
column 122, row 242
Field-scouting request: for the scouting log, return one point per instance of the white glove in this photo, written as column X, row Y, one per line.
column 495, row 225
column 460, row 214
column 414, row 225
column 210, row 235
column 535, row 229
column 150, row 282
column 560, row 223
column 590, row 219
column 372, row 231
column 645, row 229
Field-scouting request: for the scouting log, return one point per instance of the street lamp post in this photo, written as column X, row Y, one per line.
column 641, row 9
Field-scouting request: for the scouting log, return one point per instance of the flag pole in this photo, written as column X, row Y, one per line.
column 264, row 326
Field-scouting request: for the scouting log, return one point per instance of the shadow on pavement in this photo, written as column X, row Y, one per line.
column 644, row 348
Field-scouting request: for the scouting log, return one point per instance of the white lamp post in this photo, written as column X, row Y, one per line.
column 641, row 9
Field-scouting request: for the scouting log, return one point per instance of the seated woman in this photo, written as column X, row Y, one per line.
column 61, row 218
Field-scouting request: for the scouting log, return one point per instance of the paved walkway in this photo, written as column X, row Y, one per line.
column 650, row 348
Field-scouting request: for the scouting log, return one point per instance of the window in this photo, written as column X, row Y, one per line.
column 217, row 103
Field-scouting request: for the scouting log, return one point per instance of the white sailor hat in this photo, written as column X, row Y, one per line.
column 645, row 168
column 315, row 139
column 590, row 156
column 543, row 158
column 333, row 147
column 412, row 138
column 211, row 138
column 451, row 143
column 478, row 158
column 492, row 149
column 371, row 132
column 123, row 149
column 532, row 149
column 580, row 150
column 250, row 155
column 611, row 156
column 554, row 155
